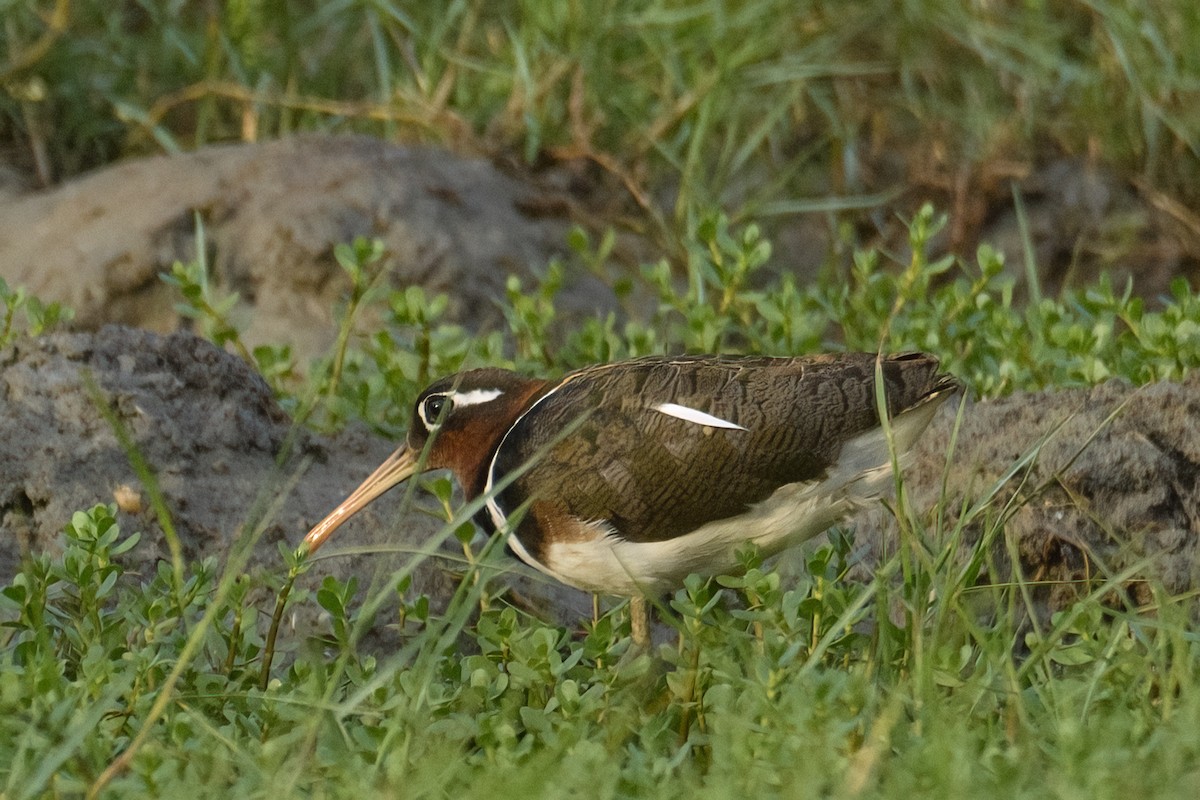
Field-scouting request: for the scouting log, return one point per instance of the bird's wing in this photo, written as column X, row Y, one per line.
column 658, row 447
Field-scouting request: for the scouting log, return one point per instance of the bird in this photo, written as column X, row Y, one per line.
column 624, row 478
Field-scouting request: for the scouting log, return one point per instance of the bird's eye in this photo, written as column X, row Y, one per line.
column 434, row 407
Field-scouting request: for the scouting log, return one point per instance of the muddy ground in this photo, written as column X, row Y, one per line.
column 223, row 451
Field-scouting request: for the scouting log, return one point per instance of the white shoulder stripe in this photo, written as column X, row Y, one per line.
column 692, row 415
column 499, row 518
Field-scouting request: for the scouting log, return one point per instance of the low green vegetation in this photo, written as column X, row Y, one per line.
column 22, row 314
column 729, row 302
column 915, row 682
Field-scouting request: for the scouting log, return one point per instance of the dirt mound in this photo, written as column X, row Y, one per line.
column 1112, row 489
column 272, row 215
column 220, row 447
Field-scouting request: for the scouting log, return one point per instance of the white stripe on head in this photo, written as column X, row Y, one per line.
column 692, row 415
column 474, row 397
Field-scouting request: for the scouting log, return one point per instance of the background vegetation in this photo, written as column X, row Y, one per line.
column 916, row 683
column 767, row 108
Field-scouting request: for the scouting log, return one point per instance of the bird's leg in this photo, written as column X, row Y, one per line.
column 639, row 621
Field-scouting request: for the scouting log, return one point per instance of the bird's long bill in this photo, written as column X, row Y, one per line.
column 399, row 466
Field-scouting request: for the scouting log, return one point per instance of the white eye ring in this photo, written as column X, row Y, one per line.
column 433, row 408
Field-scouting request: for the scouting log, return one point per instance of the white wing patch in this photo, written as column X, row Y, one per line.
column 699, row 417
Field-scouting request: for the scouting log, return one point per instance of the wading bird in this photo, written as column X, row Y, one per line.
column 638, row 473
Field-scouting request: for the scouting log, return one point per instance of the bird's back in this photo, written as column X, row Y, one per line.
column 636, row 459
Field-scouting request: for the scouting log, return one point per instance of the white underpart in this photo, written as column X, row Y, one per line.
column 794, row 513
column 693, row 415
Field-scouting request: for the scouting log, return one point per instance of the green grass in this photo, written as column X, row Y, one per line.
column 917, row 682
column 764, row 108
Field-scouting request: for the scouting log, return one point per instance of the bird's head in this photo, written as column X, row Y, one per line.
column 457, row 423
